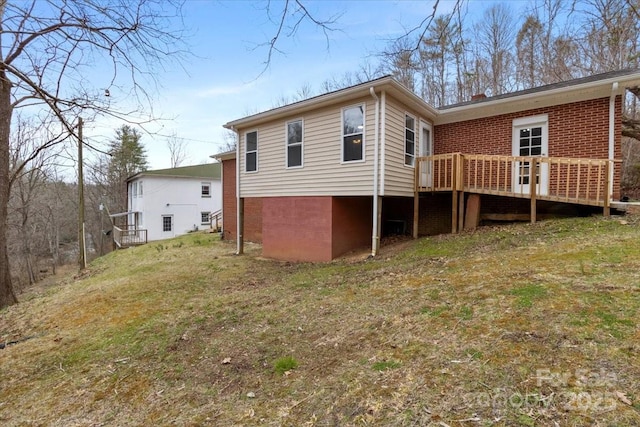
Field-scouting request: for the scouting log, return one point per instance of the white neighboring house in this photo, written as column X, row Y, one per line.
column 172, row 202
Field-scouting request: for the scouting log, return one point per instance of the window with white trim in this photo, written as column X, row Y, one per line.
column 409, row 140
column 135, row 189
column 353, row 133
column 294, row 143
column 204, row 218
column 251, row 151
column 205, row 189
column 140, row 189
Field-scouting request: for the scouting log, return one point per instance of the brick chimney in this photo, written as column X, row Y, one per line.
column 478, row 97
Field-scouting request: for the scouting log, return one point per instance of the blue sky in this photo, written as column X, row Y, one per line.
column 222, row 81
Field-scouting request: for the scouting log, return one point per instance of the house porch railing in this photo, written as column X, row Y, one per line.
column 216, row 220
column 567, row 180
column 127, row 236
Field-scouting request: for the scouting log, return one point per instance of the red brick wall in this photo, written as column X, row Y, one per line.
column 253, row 217
column 435, row 214
column 297, row 228
column 352, row 224
column 229, row 209
column 252, row 208
column 579, row 129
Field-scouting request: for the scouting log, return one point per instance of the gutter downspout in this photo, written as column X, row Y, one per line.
column 238, row 231
column 612, row 137
column 383, row 141
column 375, row 238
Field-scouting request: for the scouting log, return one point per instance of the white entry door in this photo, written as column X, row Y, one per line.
column 426, row 149
column 531, row 139
column 167, row 226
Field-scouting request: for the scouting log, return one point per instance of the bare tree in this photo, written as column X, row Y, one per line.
column 48, row 48
column 177, row 149
column 530, row 53
column 612, row 35
column 400, row 61
column 495, row 35
column 230, row 139
column 435, row 60
column 32, row 207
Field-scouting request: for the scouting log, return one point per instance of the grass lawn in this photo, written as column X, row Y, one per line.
column 516, row 325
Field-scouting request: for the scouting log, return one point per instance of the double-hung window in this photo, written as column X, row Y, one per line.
column 205, row 189
column 409, row 140
column 353, row 133
column 251, row 151
column 294, row 143
column 204, row 218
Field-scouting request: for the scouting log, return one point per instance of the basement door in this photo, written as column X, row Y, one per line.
column 426, row 149
column 531, row 139
column 167, row 226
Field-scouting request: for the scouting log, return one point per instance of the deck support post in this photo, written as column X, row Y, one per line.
column 240, row 237
column 416, row 199
column 461, row 211
column 606, row 211
column 533, row 187
column 454, row 193
column 416, row 214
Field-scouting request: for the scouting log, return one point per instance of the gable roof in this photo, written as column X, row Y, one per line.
column 591, row 87
column 204, row 171
column 387, row 83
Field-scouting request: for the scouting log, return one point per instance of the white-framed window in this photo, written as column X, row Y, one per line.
column 251, row 151
column 134, row 189
column 205, row 189
column 409, row 140
column 353, row 134
column 204, row 218
column 140, row 189
column 295, row 131
column 167, row 223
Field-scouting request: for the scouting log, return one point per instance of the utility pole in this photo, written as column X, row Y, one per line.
column 82, row 247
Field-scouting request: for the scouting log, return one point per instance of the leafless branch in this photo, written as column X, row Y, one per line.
column 292, row 14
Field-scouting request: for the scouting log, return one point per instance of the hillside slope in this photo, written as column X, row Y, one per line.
column 512, row 325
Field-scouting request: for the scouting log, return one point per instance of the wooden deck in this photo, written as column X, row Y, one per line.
column 128, row 236
column 566, row 180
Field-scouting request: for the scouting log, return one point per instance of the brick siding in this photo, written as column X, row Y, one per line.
column 252, row 208
column 578, row 130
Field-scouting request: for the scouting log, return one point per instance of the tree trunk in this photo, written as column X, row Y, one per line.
column 7, row 295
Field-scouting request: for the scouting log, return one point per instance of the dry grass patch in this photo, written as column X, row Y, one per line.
column 511, row 325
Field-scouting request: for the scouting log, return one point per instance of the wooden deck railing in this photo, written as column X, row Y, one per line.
column 569, row 180
column 127, row 236
column 216, row 220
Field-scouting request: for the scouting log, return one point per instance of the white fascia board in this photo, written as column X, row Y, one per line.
column 339, row 96
column 229, row 155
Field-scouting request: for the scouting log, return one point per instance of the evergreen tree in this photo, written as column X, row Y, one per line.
column 127, row 157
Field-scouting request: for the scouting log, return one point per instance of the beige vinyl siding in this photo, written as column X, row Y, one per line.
column 398, row 179
column 323, row 172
